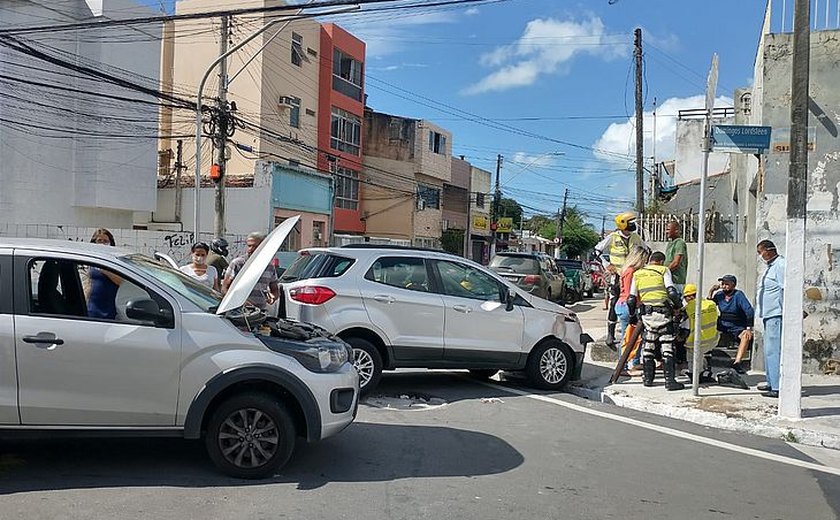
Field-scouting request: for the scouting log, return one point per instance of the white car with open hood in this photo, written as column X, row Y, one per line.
column 98, row 340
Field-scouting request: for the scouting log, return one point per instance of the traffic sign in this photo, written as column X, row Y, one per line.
column 740, row 138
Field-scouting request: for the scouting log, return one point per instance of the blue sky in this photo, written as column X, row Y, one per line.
column 567, row 63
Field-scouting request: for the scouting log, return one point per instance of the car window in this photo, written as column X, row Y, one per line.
column 317, row 265
column 64, row 288
column 468, row 282
column 516, row 264
column 402, row 272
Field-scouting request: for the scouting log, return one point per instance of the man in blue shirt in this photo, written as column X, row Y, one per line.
column 736, row 315
column 771, row 292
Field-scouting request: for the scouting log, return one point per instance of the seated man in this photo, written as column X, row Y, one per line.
column 736, row 316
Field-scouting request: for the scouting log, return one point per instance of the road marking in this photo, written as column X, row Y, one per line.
column 669, row 431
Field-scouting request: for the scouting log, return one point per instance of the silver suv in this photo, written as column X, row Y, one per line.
column 169, row 358
column 413, row 308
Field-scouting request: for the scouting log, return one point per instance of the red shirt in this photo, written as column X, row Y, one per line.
column 626, row 282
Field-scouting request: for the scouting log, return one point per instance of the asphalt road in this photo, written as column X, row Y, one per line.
column 485, row 454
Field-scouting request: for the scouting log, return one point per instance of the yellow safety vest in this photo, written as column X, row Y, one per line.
column 709, row 335
column 620, row 247
column 650, row 284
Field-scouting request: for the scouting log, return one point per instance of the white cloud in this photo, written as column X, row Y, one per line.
column 546, row 45
column 619, row 139
column 398, row 66
column 472, row 11
column 525, row 160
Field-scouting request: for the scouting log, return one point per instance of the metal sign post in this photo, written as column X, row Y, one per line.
column 711, row 88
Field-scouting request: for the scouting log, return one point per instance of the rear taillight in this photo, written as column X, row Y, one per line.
column 531, row 279
column 312, row 295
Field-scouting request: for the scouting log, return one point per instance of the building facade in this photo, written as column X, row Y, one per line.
column 456, row 208
column 480, row 201
column 341, row 111
column 406, row 163
column 75, row 156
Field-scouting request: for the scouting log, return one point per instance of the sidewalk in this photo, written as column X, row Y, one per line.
column 717, row 406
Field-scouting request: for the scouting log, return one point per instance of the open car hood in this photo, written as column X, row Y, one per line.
column 253, row 269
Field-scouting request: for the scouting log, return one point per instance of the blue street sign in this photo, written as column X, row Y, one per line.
column 740, row 138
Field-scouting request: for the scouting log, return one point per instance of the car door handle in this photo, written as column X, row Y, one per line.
column 384, row 298
column 46, row 340
column 462, row 308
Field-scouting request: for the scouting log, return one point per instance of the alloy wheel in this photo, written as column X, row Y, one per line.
column 364, row 366
column 553, row 365
column 248, row 438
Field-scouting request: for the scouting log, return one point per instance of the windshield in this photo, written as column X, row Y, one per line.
column 316, row 265
column 176, row 280
column 517, row 264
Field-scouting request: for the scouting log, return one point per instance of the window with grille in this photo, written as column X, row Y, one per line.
column 345, row 131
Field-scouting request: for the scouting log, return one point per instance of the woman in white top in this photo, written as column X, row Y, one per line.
column 199, row 270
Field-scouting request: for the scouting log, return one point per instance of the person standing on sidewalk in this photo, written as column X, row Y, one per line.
column 613, row 251
column 267, row 290
column 654, row 292
column 636, row 260
column 217, row 257
column 676, row 258
column 771, row 291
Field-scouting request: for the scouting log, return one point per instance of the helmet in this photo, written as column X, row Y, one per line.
column 624, row 220
column 219, row 246
column 690, row 290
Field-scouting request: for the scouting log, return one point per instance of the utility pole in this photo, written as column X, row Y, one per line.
column 179, row 167
column 561, row 220
column 497, row 200
column 220, row 139
column 640, row 137
column 603, row 225
column 790, row 384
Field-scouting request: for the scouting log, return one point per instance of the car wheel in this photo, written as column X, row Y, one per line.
column 482, row 373
column 550, row 365
column 368, row 363
column 250, row 436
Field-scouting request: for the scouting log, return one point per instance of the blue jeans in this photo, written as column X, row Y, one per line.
column 772, row 350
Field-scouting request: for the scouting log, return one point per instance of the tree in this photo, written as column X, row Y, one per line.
column 452, row 241
column 578, row 236
column 510, row 208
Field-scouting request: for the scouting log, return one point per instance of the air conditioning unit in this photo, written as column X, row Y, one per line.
column 286, row 102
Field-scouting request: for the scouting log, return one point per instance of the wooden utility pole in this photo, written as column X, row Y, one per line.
column 497, row 201
column 179, row 167
column 220, row 139
column 790, row 383
column 640, row 137
column 561, row 220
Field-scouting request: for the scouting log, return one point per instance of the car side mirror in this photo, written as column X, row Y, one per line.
column 509, row 299
column 148, row 310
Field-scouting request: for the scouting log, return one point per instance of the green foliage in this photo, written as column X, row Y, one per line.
column 578, row 236
column 510, row 208
column 452, row 241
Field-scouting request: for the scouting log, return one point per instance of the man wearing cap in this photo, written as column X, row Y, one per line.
column 736, row 315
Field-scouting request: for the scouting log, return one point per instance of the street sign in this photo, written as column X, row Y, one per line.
column 740, row 138
column 556, row 240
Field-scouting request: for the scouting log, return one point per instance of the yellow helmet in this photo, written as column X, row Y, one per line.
column 690, row 290
column 623, row 220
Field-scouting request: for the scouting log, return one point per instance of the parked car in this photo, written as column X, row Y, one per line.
column 578, row 281
column 174, row 359
column 534, row 273
column 413, row 308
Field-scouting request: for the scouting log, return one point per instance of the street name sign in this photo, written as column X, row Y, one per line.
column 740, row 138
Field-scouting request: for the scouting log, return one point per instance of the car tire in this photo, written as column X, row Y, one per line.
column 483, row 373
column 244, row 422
column 550, row 365
column 368, row 362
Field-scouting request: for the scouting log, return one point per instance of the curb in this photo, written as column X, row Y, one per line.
column 773, row 428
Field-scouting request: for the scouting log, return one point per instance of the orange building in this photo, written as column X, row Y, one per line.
column 341, row 109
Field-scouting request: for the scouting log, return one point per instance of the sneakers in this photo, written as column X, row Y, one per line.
column 738, row 368
column 771, row 393
column 763, row 387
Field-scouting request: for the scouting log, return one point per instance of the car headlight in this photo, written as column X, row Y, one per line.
column 317, row 356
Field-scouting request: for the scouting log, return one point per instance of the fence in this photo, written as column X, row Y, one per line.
column 825, row 15
column 720, row 228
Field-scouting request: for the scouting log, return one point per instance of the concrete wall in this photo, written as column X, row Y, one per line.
column 432, row 164
column 689, row 152
column 719, row 259
column 480, row 184
column 62, row 170
column 822, row 241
